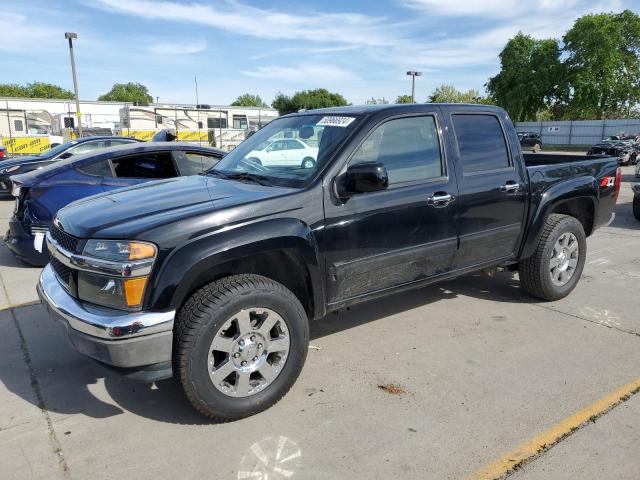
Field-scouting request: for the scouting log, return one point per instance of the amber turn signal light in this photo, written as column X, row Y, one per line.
column 138, row 251
column 134, row 290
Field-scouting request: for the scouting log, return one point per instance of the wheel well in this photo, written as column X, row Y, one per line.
column 284, row 266
column 580, row 208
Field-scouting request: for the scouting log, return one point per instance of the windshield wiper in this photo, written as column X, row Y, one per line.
column 242, row 176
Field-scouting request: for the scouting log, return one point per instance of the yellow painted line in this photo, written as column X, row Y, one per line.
column 515, row 459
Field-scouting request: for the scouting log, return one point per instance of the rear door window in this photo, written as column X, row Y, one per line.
column 148, row 165
column 481, row 142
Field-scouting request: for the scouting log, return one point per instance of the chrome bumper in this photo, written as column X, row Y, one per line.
column 113, row 337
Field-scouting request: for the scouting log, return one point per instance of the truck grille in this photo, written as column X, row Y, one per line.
column 62, row 271
column 65, row 240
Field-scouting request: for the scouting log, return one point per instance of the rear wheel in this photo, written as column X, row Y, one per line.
column 636, row 207
column 240, row 344
column 554, row 269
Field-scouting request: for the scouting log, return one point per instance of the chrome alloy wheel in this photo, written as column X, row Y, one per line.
column 248, row 352
column 564, row 259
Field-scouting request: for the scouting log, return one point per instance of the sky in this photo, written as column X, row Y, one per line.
column 359, row 48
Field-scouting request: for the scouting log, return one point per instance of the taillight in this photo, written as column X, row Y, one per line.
column 3, row 154
column 618, row 182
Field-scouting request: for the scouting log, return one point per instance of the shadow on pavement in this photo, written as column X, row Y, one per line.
column 70, row 383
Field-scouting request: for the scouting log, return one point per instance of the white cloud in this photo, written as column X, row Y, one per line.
column 493, row 8
column 302, row 73
column 181, row 47
column 23, row 34
column 243, row 19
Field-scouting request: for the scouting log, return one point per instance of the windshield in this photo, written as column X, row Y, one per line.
column 57, row 150
column 288, row 151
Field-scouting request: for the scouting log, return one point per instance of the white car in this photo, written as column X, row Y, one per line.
column 285, row 152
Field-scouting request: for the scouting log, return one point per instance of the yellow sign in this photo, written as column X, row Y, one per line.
column 183, row 135
column 26, row 145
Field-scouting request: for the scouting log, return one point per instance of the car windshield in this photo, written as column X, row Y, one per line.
column 288, row 151
column 56, row 150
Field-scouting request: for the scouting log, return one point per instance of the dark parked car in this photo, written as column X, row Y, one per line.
column 530, row 141
column 625, row 147
column 66, row 150
column 214, row 278
column 636, row 200
column 40, row 194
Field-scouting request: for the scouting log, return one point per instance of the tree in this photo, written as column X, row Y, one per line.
column 450, row 94
column 249, row 100
column 307, row 99
column 603, row 65
column 376, row 101
column 531, row 77
column 128, row 92
column 34, row 90
column 404, row 99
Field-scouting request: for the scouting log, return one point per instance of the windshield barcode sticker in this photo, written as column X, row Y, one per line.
column 336, row 121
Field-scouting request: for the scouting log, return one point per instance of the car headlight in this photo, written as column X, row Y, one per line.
column 10, row 169
column 122, row 291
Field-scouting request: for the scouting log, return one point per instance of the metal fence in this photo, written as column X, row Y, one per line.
column 579, row 133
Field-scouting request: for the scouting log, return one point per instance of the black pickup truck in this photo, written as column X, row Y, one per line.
column 214, row 278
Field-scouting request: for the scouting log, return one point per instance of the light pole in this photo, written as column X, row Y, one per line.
column 413, row 75
column 70, row 36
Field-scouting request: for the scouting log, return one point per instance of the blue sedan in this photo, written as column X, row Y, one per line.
column 41, row 193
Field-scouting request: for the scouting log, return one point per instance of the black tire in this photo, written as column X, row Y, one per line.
column 202, row 316
column 534, row 271
column 308, row 162
column 633, row 159
column 636, row 207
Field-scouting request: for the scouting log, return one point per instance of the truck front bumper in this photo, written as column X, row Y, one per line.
column 139, row 343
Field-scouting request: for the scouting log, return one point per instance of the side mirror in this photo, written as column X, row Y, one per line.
column 65, row 155
column 365, row 177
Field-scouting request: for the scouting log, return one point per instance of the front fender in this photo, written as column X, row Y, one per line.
column 178, row 275
column 544, row 202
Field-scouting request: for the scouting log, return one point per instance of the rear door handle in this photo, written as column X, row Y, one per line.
column 440, row 199
column 510, row 187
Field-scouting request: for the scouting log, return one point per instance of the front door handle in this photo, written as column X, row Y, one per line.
column 510, row 187
column 440, row 199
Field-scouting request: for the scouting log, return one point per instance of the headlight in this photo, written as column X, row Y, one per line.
column 10, row 169
column 119, row 250
column 117, row 291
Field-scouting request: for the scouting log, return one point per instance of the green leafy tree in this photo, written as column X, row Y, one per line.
column 307, row 99
column 531, row 77
column 450, row 94
column 34, row 90
column 128, row 92
column 603, row 65
column 404, row 99
column 249, row 100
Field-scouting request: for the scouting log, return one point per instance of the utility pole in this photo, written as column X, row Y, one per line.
column 195, row 79
column 413, row 75
column 70, row 36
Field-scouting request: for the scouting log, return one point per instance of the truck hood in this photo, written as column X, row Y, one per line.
column 132, row 211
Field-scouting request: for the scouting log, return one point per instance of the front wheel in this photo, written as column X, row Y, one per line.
column 308, row 162
column 554, row 269
column 239, row 346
